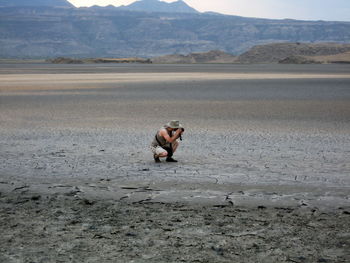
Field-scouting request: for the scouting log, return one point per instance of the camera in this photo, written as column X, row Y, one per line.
column 183, row 129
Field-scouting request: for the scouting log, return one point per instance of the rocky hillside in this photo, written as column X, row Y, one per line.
column 293, row 53
column 44, row 32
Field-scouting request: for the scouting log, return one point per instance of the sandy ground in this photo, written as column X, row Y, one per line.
column 263, row 172
column 69, row 81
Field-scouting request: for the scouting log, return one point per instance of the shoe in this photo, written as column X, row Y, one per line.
column 171, row 160
column 156, row 158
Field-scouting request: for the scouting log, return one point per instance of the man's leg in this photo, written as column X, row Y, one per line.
column 175, row 144
column 171, row 151
column 159, row 152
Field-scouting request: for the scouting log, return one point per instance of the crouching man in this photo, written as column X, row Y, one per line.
column 165, row 141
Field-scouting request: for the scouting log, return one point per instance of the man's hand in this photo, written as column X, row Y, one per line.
column 179, row 131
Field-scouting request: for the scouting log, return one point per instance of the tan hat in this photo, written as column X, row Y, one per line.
column 174, row 124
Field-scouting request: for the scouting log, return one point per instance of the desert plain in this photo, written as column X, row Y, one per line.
column 263, row 172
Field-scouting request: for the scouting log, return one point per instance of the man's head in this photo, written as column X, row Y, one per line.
column 173, row 125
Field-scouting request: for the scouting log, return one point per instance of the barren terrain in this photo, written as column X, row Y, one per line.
column 263, row 172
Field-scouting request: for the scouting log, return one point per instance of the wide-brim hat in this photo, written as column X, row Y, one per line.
column 174, row 124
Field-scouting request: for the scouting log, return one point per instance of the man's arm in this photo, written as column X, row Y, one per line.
column 164, row 133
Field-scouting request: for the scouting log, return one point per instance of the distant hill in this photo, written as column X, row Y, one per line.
column 293, row 53
column 343, row 58
column 214, row 56
column 158, row 6
column 52, row 3
column 284, row 53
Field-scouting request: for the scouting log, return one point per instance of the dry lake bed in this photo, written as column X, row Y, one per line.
column 263, row 172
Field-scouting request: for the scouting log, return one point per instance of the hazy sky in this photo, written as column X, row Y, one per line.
column 296, row 9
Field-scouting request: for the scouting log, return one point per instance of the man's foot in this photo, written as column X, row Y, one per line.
column 156, row 158
column 171, row 160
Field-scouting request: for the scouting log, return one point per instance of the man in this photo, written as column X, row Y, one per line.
column 165, row 142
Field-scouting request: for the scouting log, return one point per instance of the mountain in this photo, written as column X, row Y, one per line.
column 45, row 31
column 158, row 6
column 52, row 3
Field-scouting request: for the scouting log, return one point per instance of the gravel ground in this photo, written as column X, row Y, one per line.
column 62, row 228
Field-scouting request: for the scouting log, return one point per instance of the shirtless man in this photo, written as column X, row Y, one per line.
column 165, row 142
